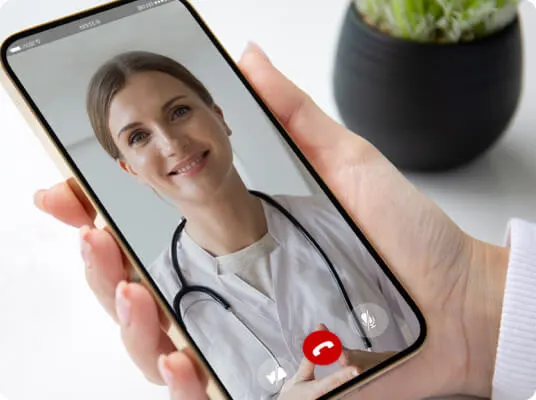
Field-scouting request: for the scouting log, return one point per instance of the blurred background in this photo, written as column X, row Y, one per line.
column 55, row 340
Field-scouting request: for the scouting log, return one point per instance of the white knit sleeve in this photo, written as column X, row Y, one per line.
column 515, row 366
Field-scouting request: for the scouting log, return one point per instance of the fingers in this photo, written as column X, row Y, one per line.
column 346, row 355
column 334, row 380
column 179, row 373
column 138, row 317
column 344, row 359
column 66, row 202
column 304, row 120
column 361, row 360
column 305, row 372
column 131, row 306
column 105, row 267
column 82, row 198
column 364, row 360
column 322, row 327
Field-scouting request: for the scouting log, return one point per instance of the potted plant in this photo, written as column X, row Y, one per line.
column 433, row 84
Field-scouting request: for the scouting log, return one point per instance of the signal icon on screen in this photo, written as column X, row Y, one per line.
column 150, row 4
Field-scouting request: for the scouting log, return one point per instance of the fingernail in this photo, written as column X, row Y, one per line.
column 165, row 371
column 250, row 46
column 321, row 327
column 122, row 302
column 355, row 372
column 254, row 47
column 39, row 199
column 85, row 245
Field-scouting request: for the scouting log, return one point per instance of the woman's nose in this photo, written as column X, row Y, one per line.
column 172, row 143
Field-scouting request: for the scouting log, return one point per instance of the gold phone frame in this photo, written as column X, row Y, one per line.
column 215, row 389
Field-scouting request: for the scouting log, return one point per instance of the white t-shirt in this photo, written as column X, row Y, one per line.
column 252, row 264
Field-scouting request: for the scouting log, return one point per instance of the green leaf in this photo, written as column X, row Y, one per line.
column 419, row 8
column 410, row 11
column 431, row 20
column 399, row 15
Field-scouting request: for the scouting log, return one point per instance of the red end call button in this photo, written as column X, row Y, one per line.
column 322, row 348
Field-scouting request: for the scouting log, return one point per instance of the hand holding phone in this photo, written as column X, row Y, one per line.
column 369, row 188
column 301, row 118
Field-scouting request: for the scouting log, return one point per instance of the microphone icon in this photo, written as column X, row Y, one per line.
column 368, row 320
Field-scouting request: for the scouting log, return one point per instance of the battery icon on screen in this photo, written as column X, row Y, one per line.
column 15, row 49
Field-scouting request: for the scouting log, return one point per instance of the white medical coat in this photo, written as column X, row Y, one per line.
column 305, row 295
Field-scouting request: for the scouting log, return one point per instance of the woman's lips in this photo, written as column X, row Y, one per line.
column 191, row 166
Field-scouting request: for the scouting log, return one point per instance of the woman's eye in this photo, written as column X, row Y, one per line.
column 136, row 138
column 181, row 111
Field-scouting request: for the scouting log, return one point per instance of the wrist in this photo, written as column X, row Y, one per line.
column 482, row 313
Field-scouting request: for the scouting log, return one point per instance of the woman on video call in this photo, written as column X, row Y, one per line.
column 163, row 127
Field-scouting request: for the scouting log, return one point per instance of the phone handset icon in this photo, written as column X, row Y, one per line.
column 322, row 347
column 318, row 349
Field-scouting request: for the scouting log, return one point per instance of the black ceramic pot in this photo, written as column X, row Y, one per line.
column 427, row 107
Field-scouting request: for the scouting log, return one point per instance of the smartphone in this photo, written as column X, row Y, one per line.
column 246, row 249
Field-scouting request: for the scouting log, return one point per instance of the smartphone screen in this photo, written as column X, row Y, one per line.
column 238, row 236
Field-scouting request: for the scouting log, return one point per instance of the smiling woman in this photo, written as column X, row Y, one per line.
column 161, row 125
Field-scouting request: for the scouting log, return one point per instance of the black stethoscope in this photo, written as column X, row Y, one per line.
column 187, row 289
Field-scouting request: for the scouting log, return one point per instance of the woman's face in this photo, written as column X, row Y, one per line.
column 169, row 138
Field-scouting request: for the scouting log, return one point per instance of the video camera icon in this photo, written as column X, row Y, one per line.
column 272, row 377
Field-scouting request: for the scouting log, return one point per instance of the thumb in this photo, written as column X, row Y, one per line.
column 305, row 372
column 322, row 327
column 308, row 125
column 344, row 359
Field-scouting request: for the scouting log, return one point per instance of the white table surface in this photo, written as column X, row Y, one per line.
column 55, row 341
